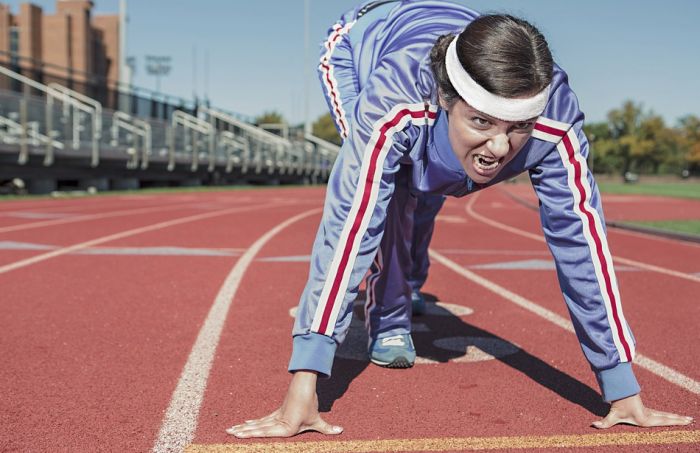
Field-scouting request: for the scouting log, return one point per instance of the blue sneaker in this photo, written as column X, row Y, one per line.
column 393, row 352
column 418, row 303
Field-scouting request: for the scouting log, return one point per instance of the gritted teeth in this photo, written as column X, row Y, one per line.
column 486, row 163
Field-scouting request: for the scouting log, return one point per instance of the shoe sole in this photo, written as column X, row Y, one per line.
column 399, row 362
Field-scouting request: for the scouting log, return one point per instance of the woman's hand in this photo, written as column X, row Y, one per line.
column 298, row 413
column 631, row 411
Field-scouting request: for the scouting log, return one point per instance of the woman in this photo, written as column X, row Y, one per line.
column 432, row 98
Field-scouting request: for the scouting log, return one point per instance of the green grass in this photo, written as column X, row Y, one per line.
column 671, row 189
column 676, row 226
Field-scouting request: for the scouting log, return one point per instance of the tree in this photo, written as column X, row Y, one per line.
column 324, row 128
column 690, row 142
column 601, row 148
column 640, row 141
column 627, row 145
column 635, row 141
column 271, row 117
column 274, row 122
column 663, row 151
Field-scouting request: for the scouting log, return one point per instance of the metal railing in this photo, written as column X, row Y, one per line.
column 73, row 107
column 34, row 137
column 54, row 120
column 134, row 128
column 80, row 104
column 323, row 157
column 270, row 152
column 237, row 151
column 191, row 127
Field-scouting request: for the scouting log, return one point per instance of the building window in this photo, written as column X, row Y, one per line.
column 14, row 46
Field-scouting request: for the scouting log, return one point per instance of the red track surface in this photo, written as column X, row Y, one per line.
column 93, row 346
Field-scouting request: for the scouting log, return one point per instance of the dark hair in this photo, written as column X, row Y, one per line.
column 507, row 56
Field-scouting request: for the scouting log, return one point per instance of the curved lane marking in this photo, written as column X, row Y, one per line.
column 112, row 237
column 536, row 237
column 653, row 237
column 657, row 368
column 180, row 421
column 82, row 217
column 105, row 215
column 531, row 204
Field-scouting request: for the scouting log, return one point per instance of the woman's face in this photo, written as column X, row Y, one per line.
column 483, row 144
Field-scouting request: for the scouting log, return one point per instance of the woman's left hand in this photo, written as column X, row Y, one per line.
column 632, row 411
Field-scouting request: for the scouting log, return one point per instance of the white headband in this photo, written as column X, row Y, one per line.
column 507, row 109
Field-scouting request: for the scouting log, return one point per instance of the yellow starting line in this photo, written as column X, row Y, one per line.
column 454, row 443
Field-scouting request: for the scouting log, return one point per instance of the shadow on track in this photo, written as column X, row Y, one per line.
column 441, row 336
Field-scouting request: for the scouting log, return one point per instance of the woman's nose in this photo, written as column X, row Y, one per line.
column 499, row 145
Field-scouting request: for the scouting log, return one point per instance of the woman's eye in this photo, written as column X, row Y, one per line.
column 523, row 125
column 481, row 122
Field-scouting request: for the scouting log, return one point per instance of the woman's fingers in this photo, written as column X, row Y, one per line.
column 263, row 428
column 646, row 418
column 254, row 422
column 299, row 412
column 610, row 420
column 323, row 427
column 682, row 418
column 265, row 418
column 249, row 424
column 657, row 418
column 276, row 427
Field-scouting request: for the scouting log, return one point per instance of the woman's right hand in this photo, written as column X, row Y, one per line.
column 298, row 413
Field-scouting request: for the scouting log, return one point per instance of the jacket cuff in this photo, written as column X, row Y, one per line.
column 617, row 382
column 312, row 352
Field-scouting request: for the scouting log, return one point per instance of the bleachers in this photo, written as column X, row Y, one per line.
column 50, row 133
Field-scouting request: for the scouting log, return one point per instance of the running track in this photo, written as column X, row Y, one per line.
column 153, row 322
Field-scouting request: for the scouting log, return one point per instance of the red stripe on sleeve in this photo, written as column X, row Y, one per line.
column 598, row 243
column 549, row 130
column 374, row 157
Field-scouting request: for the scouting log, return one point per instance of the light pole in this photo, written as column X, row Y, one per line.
column 125, row 72
column 307, row 66
column 158, row 66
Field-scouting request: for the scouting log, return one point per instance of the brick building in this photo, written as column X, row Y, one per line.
column 70, row 46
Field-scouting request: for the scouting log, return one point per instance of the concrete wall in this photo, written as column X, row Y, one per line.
column 5, row 24
column 56, row 43
column 106, row 29
column 30, row 25
column 80, row 34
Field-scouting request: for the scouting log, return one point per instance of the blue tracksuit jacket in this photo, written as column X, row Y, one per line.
column 375, row 69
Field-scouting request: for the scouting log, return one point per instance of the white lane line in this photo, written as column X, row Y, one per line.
column 123, row 234
column 653, row 237
column 531, row 203
column 659, row 369
column 660, row 270
column 47, row 205
column 450, row 218
column 34, row 215
column 83, row 217
column 540, row 238
column 180, row 422
column 163, row 250
column 77, row 205
column 501, row 291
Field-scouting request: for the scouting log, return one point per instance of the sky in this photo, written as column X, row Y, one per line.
column 249, row 56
